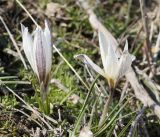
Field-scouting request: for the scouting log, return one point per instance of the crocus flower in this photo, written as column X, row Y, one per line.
column 114, row 66
column 38, row 50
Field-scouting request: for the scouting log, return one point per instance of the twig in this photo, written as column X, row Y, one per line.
column 139, row 90
column 134, row 124
column 13, row 41
column 146, row 29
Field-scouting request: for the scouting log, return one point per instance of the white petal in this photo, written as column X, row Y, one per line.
column 47, row 33
column 48, row 48
column 28, row 45
column 103, row 46
column 125, row 64
column 111, row 64
column 126, row 47
column 110, row 40
column 125, row 61
column 90, row 63
column 39, row 53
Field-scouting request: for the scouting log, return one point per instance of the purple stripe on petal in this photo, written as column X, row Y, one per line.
column 40, row 55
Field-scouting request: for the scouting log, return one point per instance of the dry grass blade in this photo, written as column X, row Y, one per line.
column 31, row 109
column 71, row 67
column 13, row 41
column 146, row 29
column 28, row 116
column 139, row 90
column 26, row 12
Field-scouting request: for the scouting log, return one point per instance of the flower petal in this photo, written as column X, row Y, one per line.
column 39, row 53
column 48, row 48
column 111, row 63
column 103, row 46
column 47, row 33
column 27, row 45
column 125, row 64
column 90, row 63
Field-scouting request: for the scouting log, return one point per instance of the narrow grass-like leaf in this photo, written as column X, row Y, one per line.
column 83, row 108
column 8, row 77
column 104, row 127
column 110, row 132
column 121, row 134
column 15, row 82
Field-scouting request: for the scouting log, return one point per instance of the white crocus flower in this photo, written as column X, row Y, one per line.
column 114, row 67
column 38, row 50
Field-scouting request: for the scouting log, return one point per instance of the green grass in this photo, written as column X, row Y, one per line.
column 75, row 37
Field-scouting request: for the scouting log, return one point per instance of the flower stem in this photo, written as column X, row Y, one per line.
column 106, row 107
column 47, row 104
column 44, row 105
